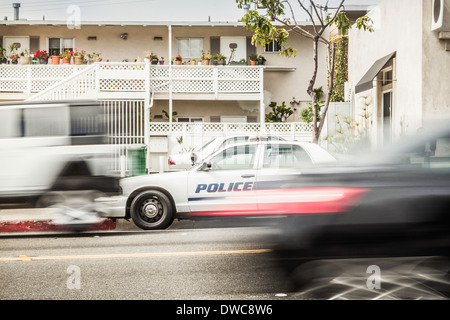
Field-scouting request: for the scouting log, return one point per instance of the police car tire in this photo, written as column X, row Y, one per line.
column 151, row 210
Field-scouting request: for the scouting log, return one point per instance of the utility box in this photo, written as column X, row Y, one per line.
column 137, row 160
column 158, row 149
column 158, row 144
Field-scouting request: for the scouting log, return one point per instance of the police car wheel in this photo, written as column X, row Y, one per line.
column 151, row 210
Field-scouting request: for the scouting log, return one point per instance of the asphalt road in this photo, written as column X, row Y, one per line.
column 195, row 261
column 210, row 263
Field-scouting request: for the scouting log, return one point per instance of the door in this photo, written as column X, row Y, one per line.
column 237, row 43
column 387, row 116
column 21, row 43
column 222, row 186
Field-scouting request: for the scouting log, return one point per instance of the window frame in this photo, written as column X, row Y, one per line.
column 191, row 54
column 276, row 47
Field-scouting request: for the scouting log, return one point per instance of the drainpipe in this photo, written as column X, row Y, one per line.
column 16, row 7
column 170, row 75
column 147, row 105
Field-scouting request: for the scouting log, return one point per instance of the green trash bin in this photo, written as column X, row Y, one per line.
column 137, row 160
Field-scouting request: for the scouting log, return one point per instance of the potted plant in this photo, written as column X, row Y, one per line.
column 66, row 55
column 161, row 61
column 193, row 61
column 219, row 59
column 14, row 57
column 253, row 58
column 24, row 57
column 42, row 56
column 97, row 57
column 2, row 55
column 206, row 57
column 261, row 60
column 178, row 59
column 78, row 56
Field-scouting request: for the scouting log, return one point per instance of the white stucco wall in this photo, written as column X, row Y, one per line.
column 436, row 68
column 397, row 28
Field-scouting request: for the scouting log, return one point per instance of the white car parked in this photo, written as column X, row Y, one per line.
column 217, row 185
column 185, row 160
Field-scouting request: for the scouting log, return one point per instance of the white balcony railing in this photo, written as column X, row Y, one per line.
column 118, row 77
column 34, row 78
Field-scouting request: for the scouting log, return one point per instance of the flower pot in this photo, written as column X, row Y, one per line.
column 55, row 59
column 252, row 63
column 205, row 62
column 177, row 62
column 14, row 61
column 66, row 60
column 161, row 62
column 43, row 61
column 24, row 60
column 78, row 60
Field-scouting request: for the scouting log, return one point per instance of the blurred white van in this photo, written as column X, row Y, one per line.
column 50, row 151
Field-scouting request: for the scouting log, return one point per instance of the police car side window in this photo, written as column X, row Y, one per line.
column 284, row 156
column 234, row 158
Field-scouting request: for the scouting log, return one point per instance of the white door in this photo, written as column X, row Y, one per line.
column 223, row 188
column 239, row 43
column 21, row 43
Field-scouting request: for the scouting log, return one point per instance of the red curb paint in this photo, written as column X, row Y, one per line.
column 46, row 225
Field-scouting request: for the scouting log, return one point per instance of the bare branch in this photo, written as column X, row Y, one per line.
column 307, row 11
column 317, row 14
column 341, row 5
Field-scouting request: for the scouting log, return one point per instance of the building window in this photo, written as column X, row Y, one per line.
column 189, row 47
column 189, row 119
column 273, row 46
column 387, row 77
column 56, row 45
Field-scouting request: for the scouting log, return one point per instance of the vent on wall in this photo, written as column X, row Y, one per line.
column 439, row 15
column 92, row 38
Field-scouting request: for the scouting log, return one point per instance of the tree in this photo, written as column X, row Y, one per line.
column 284, row 13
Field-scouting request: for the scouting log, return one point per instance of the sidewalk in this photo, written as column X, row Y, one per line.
column 30, row 220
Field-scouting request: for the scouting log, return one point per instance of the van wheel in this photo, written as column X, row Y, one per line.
column 151, row 210
column 71, row 210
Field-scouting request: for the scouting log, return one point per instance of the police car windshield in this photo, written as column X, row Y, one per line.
column 206, row 144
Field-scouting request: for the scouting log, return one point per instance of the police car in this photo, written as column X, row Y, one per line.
column 222, row 184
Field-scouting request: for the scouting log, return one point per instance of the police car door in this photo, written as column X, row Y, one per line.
column 221, row 186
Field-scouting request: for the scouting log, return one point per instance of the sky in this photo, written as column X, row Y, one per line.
column 136, row 10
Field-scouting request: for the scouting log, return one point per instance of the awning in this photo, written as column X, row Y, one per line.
column 366, row 81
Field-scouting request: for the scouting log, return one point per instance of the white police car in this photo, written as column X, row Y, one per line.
column 221, row 184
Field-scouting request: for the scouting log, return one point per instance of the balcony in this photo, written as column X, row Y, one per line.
column 112, row 80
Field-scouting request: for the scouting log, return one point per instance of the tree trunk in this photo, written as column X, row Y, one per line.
column 330, row 85
column 312, row 93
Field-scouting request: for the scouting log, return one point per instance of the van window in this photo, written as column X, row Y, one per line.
column 46, row 122
column 10, row 123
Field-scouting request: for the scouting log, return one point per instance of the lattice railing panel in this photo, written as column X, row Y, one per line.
column 193, row 86
column 122, row 85
column 284, row 129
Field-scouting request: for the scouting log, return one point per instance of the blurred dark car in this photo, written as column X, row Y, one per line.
column 393, row 204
